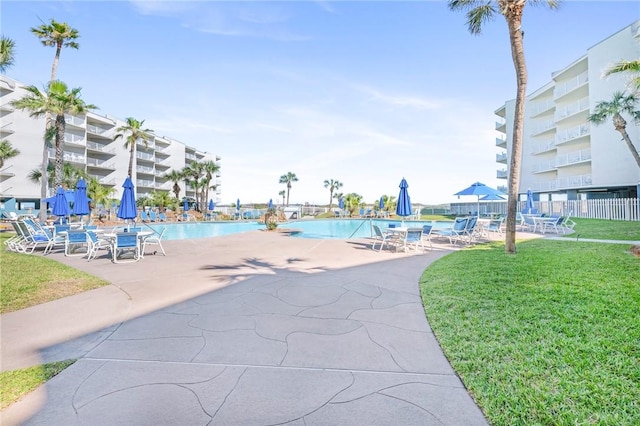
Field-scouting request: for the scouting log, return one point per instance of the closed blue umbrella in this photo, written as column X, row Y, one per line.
column 185, row 206
column 238, row 204
column 403, row 208
column 212, row 205
column 381, row 204
column 529, row 207
column 81, row 202
column 341, row 204
column 60, row 205
column 127, row 209
column 270, row 203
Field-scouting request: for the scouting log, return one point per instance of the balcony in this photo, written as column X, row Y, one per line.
column 189, row 156
column 501, row 126
column 503, row 188
column 544, row 166
column 101, row 164
column 7, row 86
column 572, row 158
column 7, row 130
column 94, row 146
column 546, row 146
column 544, row 186
column 501, row 174
column 501, row 158
column 501, row 142
column 574, row 182
column 145, row 156
column 145, row 169
column 573, row 133
column 571, row 109
column 544, row 127
column 98, row 131
column 6, row 108
column 539, row 108
column 570, row 85
column 71, row 139
column 69, row 157
column 144, row 183
column 73, row 120
column 104, row 180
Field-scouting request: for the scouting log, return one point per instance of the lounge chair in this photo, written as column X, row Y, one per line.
column 455, row 232
column 125, row 243
column 143, row 216
column 75, row 240
column 154, row 239
column 553, row 222
column 495, row 226
column 384, row 238
column 152, row 216
column 469, row 232
column 34, row 236
column 162, row 217
column 426, row 234
column 96, row 243
column 567, row 224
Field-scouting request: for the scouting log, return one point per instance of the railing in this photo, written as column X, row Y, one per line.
column 145, row 169
column 103, row 179
column 100, row 147
column 544, row 146
column 145, row 183
column 570, row 85
column 145, row 156
column 7, row 108
column 96, row 130
column 68, row 156
column 73, row 139
column 501, row 157
column 100, row 163
column 501, row 142
column 566, row 135
column 148, row 145
column 500, row 123
column 574, row 181
column 501, row 174
column 6, row 128
column 73, row 120
column 541, row 106
column 573, row 157
column 544, row 166
column 543, row 127
column 190, row 156
column 571, row 109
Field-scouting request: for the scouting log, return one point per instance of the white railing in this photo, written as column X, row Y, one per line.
column 96, row 130
column 571, row 109
column 501, row 174
column 543, row 127
column 144, row 182
column 104, row 180
column 570, row 85
column 100, row 147
column 100, row 163
column 73, row 120
column 73, row 139
column 544, row 166
column 538, row 107
column 547, row 145
column 573, row 157
column 566, row 135
column 68, row 156
column 500, row 123
column 501, row 142
column 574, row 181
column 144, row 156
column 501, row 157
column 145, row 169
column 141, row 143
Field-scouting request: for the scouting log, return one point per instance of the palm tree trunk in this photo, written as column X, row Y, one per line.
column 60, row 128
column 288, row 188
column 132, row 150
column 44, row 181
column 54, row 67
column 514, row 20
column 330, row 199
column 627, row 140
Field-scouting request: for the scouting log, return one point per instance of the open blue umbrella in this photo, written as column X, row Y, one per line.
column 212, row 205
column 479, row 190
column 403, row 208
column 81, row 202
column 127, row 209
column 270, row 203
column 60, row 205
column 529, row 207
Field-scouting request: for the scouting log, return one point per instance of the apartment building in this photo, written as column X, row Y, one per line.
column 88, row 145
column 564, row 157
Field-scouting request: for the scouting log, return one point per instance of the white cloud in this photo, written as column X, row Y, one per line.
column 399, row 100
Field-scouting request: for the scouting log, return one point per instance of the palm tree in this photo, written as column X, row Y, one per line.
column 134, row 131
column 6, row 151
column 58, row 34
column 287, row 180
column 211, row 170
column 7, row 53
column 629, row 67
column 176, row 177
column 99, row 194
column 70, row 175
column 282, row 193
column 620, row 104
column 478, row 12
column 352, row 201
column 332, row 185
column 194, row 176
column 57, row 101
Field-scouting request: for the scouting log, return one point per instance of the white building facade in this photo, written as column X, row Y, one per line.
column 564, row 157
column 89, row 146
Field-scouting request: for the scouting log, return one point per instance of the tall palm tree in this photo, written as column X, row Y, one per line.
column 287, row 180
column 58, row 101
column 282, row 193
column 133, row 131
column 194, row 176
column 70, row 175
column 478, row 12
column 621, row 103
column 210, row 169
column 6, row 151
column 7, row 53
column 176, row 177
column 628, row 67
column 58, row 34
column 332, row 185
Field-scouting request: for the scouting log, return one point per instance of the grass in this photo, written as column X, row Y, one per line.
column 29, row 280
column 17, row 383
column 549, row 336
column 606, row 229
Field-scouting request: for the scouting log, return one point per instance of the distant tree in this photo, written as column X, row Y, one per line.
column 58, row 101
column 99, row 194
column 58, row 34
column 70, row 175
column 287, row 180
column 176, row 177
column 6, row 151
column 194, row 176
column 333, row 185
column 620, row 104
column 282, row 193
column 210, row 169
column 133, row 131
column 352, row 201
column 478, row 12
column 628, row 67
column 7, row 53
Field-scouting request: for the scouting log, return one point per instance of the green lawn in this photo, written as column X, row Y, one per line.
column 606, row 229
column 548, row 336
column 28, row 280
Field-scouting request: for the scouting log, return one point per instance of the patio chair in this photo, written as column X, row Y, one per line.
column 383, row 238
column 153, row 217
column 470, row 229
column 17, row 243
column 59, row 237
column 75, row 240
column 413, row 237
column 96, row 243
column 143, row 216
column 495, row 226
column 34, row 236
column 567, row 224
column 162, row 217
column 455, row 232
column 153, row 240
column 125, row 243
column 426, row 235
column 553, row 222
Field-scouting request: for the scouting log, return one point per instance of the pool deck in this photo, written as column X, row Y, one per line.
column 250, row 328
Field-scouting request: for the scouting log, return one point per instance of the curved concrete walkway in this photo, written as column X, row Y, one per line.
column 254, row 328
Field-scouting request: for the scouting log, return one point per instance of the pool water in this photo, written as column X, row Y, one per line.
column 331, row 228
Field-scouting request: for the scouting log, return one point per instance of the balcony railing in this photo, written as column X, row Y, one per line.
column 544, row 146
column 145, row 156
column 541, row 106
column 574, row 181
column 570, row 85
column 96, row 130
column 501, row 158
column 544, row 166
column 70, row 138
column 145, row 169
column 7, row 129
column 543, row 127
column 145, row 183
column 69, row 156
column 573, row 158
column 73, row 120
column 94, row 162
column 500, row 124
column 100, row 147
column 501, row 142
column 104, row 180
column 501, row 174
column 571, row 133
column 571, row 109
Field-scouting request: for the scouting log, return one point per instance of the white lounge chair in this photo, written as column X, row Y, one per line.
column 153, row 240
column 383, row 237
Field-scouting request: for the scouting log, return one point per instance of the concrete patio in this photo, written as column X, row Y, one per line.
column 253, row 329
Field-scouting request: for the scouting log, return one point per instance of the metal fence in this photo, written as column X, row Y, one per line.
column 611, row 209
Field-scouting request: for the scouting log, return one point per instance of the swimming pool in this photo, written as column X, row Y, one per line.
column 329, row 228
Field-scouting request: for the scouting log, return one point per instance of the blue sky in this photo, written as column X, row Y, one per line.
column 363, row 92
